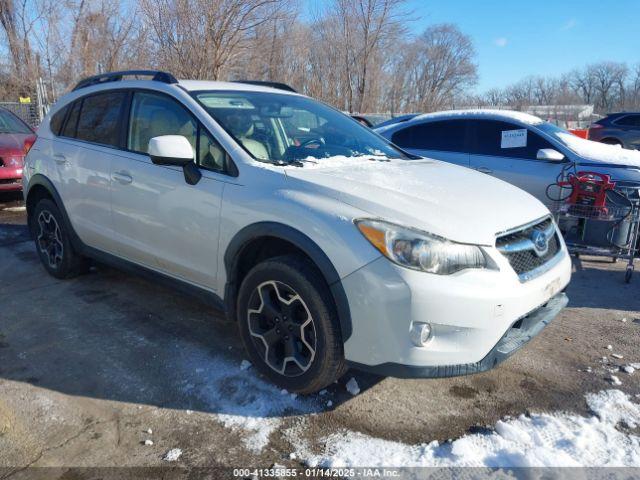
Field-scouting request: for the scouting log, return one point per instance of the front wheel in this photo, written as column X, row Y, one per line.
column 289, row 325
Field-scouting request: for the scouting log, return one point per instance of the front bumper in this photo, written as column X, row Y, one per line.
column 520, row 333
column 470, row 313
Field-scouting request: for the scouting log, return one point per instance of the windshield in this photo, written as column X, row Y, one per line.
column 284, row 129
column 9, row 123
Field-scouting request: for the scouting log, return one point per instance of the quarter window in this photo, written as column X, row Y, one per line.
column 446, row 136
column 69, row 129
column 99, row 120
column 487, row 139
column 210, row 154
column 57, row 119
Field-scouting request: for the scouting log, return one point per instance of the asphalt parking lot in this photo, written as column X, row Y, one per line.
column 92, row 367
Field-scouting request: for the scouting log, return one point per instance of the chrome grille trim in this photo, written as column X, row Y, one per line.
column 527, row 256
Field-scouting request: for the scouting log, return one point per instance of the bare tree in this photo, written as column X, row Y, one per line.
column 203, row 38
column 436, row 68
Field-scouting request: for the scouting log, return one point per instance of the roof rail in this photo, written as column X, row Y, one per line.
column 278, row 85
column 156, row 75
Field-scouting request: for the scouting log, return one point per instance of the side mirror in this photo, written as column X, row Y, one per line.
column 549, row 154
column 175, row 150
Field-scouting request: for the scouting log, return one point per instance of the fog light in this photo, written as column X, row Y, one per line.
column 420, row 334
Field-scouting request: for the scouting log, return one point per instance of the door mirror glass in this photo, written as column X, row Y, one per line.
column 549, row 154
column 170, row 150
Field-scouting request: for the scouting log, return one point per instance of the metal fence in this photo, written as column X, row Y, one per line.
column 28, row 112
column 33, row 111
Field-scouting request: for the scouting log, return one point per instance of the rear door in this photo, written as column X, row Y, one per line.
column 160, row 221
column 443, row 140
column 82, row 156
column 508, row 151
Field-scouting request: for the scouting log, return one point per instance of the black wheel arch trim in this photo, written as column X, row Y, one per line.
column 41, row 180
column 304, row 243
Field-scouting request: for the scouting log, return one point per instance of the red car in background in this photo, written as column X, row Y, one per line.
column 16, row 138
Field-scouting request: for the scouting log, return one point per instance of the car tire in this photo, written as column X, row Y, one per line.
column 53, row 243
column 289, row 324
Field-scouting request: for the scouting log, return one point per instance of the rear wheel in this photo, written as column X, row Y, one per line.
column 52, row 242
column 289, row 324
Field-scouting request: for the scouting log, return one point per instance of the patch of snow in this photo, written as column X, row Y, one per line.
column 615, row 380
column 15, row 209
column 172, row 455
column 245, row 365
column 617, row 355
column 148, row 442
column 609, row 347
column 480, row 113
column 149, row 431
column 628, row 369
column 329, row 404
column 538, row 440
column 599, row 152
column 352, row 387
column 322, row 392
column 239, row 400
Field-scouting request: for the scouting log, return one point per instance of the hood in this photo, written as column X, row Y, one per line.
column 443, row 199
column 13, row 143
column 600, row 153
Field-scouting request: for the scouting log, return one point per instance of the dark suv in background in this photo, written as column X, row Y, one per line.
column 618, row 129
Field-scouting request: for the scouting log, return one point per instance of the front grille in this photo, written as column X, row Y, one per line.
column 521, row 252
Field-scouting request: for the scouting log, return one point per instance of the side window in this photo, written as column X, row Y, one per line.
column 153, row 115
column 629, row 121
column 99, row 120
column 210, row 154
column 503, row 139
column 58, row 119
column 446, row 136
column 69, row 129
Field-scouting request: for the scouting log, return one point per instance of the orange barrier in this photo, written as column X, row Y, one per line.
column 580, row 132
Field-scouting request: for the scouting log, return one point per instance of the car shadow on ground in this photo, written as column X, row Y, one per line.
column 113, row 336
column 596, row 282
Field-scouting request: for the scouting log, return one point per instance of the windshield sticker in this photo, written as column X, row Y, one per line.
column 514, row 138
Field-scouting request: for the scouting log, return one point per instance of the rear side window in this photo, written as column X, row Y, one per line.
column 58, row 119
column 629, row 121
column 99, row 120
column 502, row 139
column 445, row 136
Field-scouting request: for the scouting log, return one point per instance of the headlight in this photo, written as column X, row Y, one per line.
column 420, row 250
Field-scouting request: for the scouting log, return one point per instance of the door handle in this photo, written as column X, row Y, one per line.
column 60, row 159
column 122, row 177
column 484, row 170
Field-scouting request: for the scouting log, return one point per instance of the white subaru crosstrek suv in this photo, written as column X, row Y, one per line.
column 328, row 245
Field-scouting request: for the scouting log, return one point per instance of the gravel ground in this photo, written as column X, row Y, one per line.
column 92, row 367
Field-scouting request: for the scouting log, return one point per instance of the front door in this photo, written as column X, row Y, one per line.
column 159, row 220
column 508, row 151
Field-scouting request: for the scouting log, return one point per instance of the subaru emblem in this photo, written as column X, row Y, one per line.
column 540, row 242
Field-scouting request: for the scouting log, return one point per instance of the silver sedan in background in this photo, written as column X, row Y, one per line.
column 518, row 148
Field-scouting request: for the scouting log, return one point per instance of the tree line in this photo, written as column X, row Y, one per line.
column 358, row 55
